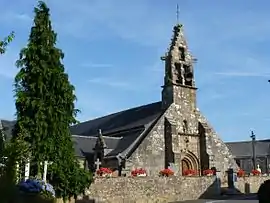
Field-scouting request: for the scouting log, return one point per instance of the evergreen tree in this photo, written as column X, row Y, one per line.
column 45, row 107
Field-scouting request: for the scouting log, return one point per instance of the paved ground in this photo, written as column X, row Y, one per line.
column 240, row 199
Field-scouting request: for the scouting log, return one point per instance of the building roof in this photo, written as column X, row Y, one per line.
column 84, row 145
column 121, row 131
column 243, row 149
column 117, row 122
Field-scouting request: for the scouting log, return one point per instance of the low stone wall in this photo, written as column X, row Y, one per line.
column 250, row 184
column 150, row 190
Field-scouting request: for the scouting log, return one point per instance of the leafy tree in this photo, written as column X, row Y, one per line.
column 2, row 142
column 17, row 151
column 45, row 107
column 4, row 43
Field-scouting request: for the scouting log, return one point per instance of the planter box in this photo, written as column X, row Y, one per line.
column 142, row 175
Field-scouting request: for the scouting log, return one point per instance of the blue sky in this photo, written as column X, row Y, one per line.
column 113, row 48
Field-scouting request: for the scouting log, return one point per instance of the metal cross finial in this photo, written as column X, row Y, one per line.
column 177, row 13
column 253, row 136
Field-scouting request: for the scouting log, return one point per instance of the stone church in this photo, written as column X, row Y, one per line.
column 168, row 133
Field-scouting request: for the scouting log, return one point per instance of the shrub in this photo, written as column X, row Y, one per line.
column 35, row 186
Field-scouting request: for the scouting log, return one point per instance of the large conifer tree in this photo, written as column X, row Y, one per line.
column 45, row 107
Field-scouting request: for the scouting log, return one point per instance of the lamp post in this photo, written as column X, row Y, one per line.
column 253, row 137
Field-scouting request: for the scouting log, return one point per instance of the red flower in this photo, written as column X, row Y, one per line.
column 166, row 172
column 255, row 172
column 137, row 172
column 189, row 172
column 241, row 173
column 208, row 172
column 102, row 171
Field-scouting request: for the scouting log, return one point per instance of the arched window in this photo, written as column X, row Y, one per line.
column 185, row 126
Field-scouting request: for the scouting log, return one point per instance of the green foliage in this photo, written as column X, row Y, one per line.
column 16, row 151
column 45, row 107
column 77, row 182
column 5, row 42
column 2, row 145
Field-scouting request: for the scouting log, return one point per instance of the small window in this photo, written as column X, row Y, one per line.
column 188, row 75
column 178, row 71
column 182, row 53
column 185, row 126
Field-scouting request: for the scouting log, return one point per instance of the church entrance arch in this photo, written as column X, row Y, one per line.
column 189, row 161
column 186, row 165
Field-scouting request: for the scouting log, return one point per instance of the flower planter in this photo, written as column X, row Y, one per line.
column 106, row 175
column 241, row 173
column 142, row 175
column 138, row 172
column 256, row 172
column 208, row 172
column 167, row 175
column 166, row 172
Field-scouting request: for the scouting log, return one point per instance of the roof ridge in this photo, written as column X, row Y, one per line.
column 88, row 137
column 245, row 141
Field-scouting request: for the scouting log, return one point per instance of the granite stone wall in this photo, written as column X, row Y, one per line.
column 150, row 153
column 219, row 154
column 149, row 189
column 250, row 184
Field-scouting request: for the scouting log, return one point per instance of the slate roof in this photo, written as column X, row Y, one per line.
column 111, row 124
column 84, row 144
column 122, row 131
column 244, row 149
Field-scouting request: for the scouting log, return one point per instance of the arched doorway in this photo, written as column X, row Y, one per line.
column 186, row 165
column 189, row 161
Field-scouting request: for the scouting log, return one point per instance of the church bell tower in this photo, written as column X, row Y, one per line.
column 179, row 101
column 179, row 75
